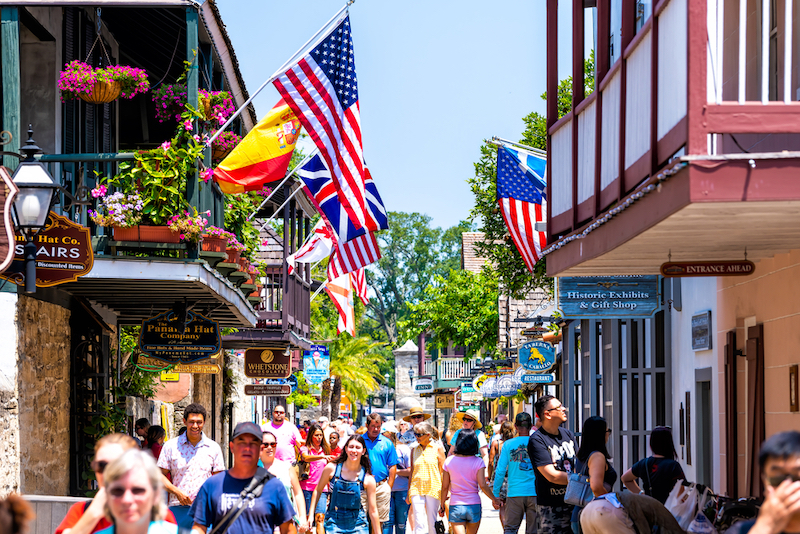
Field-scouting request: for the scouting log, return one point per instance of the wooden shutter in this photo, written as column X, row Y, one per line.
column 731, row 415
column 755, row 406
column 70, row 53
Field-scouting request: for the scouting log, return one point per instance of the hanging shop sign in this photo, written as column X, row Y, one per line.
column 445, row 401
column 267, row 362
column 489, row 388
column 537, row 356
column 292, row 381
column 316, row 364
column 607, row 296
column 707, row 268
column 467, row 387
column 532, row 378
column 170, row 376
column 534, row 331
column 8, row 191
column 179, row 339
column 63, row 253
column 701, row 331
column 518, row 375
column 209, row 366
column 422, row 384
column 507, row 386
column 477, row 382
column 268, row 390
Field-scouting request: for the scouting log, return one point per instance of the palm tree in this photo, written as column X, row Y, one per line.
column 354, row 368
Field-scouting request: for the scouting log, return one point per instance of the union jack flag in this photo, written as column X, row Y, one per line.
column 322, row 90
column 322, row 191
column 520, row 193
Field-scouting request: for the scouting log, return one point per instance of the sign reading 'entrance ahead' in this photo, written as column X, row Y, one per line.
column 165, row 338
column 608, row 296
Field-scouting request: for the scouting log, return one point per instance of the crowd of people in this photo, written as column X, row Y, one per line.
column 335, row 478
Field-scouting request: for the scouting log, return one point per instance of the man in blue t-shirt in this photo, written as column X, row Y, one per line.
column 383, row 460
column 221, row 492
column 520, row 494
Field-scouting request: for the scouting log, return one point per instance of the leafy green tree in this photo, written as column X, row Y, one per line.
column 461, row 309
column 301, row 397
column 498, row 247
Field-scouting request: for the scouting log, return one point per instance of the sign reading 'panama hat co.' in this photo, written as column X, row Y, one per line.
column 607, row 296
column 267, row 362
column 171, row 338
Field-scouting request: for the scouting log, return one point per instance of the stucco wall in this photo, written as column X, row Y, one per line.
column 768, row 297
column 44, row 396
column 697, row 295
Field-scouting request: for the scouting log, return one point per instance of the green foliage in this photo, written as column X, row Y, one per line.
column 237, row 210
column 413, row 254
column 301, row 397
column 499, row 248
column 461, row 309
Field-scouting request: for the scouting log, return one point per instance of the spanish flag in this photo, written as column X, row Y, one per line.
column 263, row 155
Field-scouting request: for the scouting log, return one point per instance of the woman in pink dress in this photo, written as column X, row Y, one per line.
column 316, row 453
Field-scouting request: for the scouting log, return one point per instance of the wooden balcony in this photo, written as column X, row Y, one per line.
column 666, row 130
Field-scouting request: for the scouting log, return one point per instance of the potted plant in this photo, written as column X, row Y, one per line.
column 215, row 239
column 101, row 85
column 215, row 107
column 234, row 249
column 189, row 226
column 117, row 210
column 223, row 145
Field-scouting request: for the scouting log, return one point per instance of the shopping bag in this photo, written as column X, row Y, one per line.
column 684, row 505
column 701, row 525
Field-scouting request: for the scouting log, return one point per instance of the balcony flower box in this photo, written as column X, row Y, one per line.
column 147, row 234
column 233, row 255
column 214, row 244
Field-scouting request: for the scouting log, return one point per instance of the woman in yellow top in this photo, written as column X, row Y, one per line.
column 425, row 488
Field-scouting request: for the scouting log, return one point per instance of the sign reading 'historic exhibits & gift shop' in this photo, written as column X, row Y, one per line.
column 607, row 296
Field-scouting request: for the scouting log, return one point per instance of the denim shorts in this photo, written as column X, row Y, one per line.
column 322, row 503
column 464, row 513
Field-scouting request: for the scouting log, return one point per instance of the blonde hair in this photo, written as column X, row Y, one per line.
column 133, row 459
column 123, row 440
column 455, row 423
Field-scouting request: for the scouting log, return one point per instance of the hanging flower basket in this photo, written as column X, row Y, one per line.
column 223, row 145
column 147, row 234
column 102, row 92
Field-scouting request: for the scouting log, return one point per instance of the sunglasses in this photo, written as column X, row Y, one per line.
column 419, row 435
column 276, row 412
column 778, row 479
column 269, row 444
column 99, row 467
column 118, row 493
column 417, row 416
column 469, row 420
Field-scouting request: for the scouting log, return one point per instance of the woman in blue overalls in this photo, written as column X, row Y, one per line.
column 350, row 478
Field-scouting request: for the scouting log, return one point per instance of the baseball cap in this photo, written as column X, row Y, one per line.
column 247, row 428
column 523, row 419
column 322, row 419
column 389, row 427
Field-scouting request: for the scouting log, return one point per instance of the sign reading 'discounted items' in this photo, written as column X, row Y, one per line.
column 167, row 337
column 267, row 362
column 607, row 296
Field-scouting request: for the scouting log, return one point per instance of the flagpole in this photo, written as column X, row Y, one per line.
column 294, row 171
column 278, row 209
column 278, row 72
column 500, row 141
column 318, row 291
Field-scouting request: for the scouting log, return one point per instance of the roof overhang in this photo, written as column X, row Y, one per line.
column 136, row 289
column 714, row 208
column 253, row 337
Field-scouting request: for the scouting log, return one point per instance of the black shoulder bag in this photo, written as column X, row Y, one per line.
column 649, row 489
column 252, row 491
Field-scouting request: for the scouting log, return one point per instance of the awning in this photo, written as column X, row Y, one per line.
column 252, row 337
column 135, row 289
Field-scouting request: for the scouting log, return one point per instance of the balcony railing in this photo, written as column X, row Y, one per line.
column 454, row 368
column 430, row 368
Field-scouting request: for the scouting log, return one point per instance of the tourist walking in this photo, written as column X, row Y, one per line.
column 289, row 438
column 398, row 508
column 189, row 460
column 219, row 498
column 316, row 454
column 425, row 488
column 504, row 433
column 514, row 466
column 552, row 451
column 660, row 472
column 629, row 513
column 351, row 485
column 383, row 462
column 135, row 500
column 470, row 420
column 592, row 460
column 89, row 516
column 464, row 476
column 287, row 475
column 415, row 415
column 452, row 428
column 155, row 440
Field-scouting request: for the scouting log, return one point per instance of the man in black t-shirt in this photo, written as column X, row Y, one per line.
column 552, row 450
column 780, row 467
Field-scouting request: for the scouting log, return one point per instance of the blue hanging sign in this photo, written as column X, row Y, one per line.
column 316, row 364
column 537, row 356
column 607, row 296
column 530, row 378
column 292, row 381
column 489, row 388
column 506, row 386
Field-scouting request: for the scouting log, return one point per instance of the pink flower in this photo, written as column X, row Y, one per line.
column 182, row 236
column 208, row 212
column 165, row 145
column 188, row 125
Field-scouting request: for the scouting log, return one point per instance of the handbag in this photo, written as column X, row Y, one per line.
column 578, row 492
column 302, row 470
column 439, row 526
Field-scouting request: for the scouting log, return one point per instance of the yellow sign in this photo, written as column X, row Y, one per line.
column 445, row 400
column 170, row 376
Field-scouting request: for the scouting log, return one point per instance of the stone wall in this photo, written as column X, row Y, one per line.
column 9, row 396
column 44, row 396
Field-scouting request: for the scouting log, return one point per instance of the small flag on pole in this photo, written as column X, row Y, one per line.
column 341, row 292
column 322, row 189
column 263, row 155
column 520, row 193
column 317, row 248
column 322, row 90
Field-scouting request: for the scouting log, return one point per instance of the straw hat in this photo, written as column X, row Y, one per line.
column 417, row 410
column 473, row 414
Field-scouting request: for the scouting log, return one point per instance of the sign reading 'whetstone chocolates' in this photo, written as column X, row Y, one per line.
column 166, row 337
column 267, row 362
column 607, row 296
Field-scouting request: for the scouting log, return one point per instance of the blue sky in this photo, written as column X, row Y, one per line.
column 435, row 79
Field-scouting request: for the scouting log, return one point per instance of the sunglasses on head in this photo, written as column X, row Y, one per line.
column 99, row 466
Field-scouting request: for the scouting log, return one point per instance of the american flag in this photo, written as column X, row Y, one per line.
column 353, row 255
column 322, row 191
column 520, row 193
column 359, row 279
column 322, row 90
